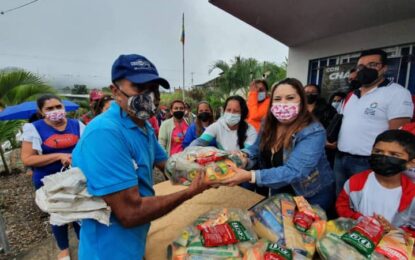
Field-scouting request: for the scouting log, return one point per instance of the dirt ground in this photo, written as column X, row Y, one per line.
column 27, row 228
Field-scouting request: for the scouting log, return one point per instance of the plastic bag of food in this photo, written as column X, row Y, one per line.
column 273, row 219
column 181, row 168
column 365, row 235
column 264, row 250
column 196, row 250
column 293, row 238
column 332, row 247
column 340, row 226
column 218, row 234
column 267, row 218
column 396, row 245
column 224, row 227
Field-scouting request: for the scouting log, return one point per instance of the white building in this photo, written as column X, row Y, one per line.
column 326, row 37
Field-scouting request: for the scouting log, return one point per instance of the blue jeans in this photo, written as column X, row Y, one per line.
column 326, row 199
column 61, row 234
column 347, row 165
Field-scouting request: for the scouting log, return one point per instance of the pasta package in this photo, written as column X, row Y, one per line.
column 274, row 219
column 396, row 245
column 182, row 168
column 293, row 238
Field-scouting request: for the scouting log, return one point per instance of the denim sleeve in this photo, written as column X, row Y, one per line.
column 302, row 161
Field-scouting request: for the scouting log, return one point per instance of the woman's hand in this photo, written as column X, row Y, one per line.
column 253, row 86
column 66, row 159
column 240, row 176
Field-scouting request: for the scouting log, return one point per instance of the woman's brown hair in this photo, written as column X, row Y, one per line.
column 269, row 133
column 199, row 126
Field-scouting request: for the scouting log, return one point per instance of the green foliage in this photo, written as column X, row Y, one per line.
column 8, row 130
column 79, row 89
column 18, row 86
column 234, row 78
column 241, row 71
column 106, row 90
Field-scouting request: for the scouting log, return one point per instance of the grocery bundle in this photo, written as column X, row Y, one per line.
column 363, row 239
column 181, row 168
column 287, row 227
column 289, row 222
column 218, row 234
column 284, row 227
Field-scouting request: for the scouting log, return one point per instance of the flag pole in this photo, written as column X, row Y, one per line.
column 183, row 40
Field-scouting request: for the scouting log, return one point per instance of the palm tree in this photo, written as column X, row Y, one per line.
column 17, row 86
column 241, row 71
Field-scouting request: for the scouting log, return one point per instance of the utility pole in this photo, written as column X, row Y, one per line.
column 192, row 73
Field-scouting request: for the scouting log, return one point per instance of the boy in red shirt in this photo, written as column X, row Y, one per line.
column 383, row 191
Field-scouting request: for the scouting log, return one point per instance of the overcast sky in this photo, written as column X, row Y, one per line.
column 76, row 41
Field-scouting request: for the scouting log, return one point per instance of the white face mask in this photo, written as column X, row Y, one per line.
column 231, row 119
column 261, row 96
column 335, row 104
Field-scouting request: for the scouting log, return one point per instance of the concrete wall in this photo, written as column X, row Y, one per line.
column 381, row 36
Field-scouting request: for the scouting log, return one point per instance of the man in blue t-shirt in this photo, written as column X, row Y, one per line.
column 117, row 153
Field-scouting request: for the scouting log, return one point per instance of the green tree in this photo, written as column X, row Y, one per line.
column 17, row 86
column 79, row 89
column 241, row 71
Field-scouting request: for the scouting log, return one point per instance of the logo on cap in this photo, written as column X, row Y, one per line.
column 141, row 64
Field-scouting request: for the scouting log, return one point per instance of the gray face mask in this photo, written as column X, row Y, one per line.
column 142, row 105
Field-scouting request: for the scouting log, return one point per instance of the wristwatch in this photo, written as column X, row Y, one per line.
column 253, row 180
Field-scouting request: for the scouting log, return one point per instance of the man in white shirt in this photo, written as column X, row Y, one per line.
column 378, row 105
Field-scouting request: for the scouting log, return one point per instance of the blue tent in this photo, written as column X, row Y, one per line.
column 27, row 109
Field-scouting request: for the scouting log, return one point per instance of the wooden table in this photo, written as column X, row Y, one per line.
column 164, row 230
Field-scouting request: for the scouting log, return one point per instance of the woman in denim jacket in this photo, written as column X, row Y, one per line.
column 288, row 155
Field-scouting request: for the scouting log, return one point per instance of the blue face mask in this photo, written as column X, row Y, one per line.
column 261, row 96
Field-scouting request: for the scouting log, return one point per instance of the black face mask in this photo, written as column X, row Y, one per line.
column 386, row 165
column 204, row 116
column 311, row 98
column 178, row 114
column 354, row 84
column 367, row 76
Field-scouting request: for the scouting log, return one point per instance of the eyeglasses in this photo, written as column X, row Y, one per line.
column 371, row 65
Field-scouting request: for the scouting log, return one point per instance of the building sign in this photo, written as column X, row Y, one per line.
column 335, row 79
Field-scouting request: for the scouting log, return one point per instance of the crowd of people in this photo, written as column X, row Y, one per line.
column 280, row 133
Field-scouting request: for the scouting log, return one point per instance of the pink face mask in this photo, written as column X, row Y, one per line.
column 285, row 111
column 55, row 115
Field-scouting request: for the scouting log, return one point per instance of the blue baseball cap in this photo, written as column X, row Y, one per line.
column 137, row 69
